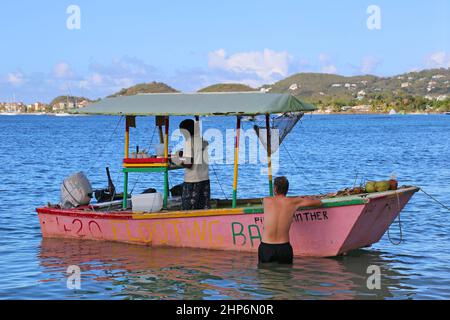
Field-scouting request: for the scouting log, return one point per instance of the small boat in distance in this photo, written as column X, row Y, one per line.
column 392, row 112
column 9, row 114
column 342, row 224
column 63, row 115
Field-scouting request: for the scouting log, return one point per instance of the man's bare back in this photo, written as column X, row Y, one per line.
column 278, row 215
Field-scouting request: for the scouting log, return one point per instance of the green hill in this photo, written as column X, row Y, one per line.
column 228, row 87
column 69, row 99
column 315, row 87
column 153, row 87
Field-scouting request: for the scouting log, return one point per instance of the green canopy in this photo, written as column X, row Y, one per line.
column 199, row 104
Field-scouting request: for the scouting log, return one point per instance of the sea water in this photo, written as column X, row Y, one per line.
column 323, row 154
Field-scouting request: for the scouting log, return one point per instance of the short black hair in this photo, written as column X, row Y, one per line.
column 282, row 185
column 188, row 125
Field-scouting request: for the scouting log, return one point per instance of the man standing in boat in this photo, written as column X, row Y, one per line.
column 196, row 187
column 278, row 216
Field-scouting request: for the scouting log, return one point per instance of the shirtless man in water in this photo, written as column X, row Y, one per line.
column 278, row 216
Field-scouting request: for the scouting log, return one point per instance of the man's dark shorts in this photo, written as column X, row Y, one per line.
column 281, row 253
column 196, row 196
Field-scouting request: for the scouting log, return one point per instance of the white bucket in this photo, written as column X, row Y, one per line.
column 151, row 202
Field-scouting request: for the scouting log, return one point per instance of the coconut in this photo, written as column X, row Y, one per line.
column 393, row 184
column 382, row 186
column 370, row 187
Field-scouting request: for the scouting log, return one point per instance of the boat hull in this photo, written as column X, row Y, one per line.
column 322, row 232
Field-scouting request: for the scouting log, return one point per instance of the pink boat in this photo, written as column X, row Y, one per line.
column 343, row 224
column 339, row 226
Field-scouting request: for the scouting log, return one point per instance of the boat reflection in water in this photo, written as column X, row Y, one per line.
column 121, row 271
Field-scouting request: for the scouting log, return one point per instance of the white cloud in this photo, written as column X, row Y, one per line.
column 438, row 60
column 101, row 80
column 304, row 64
column 93, row 80
column 129, row 66
column 120, row 73
column 96, row 78
column 331, row 68
column 324, row 58
column 124, row 82
column 62, row 70
column 263, row 65
column 326, row 65
column 15, row 79
column 369, row 64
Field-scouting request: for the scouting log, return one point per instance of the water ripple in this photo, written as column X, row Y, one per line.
column 332, row 151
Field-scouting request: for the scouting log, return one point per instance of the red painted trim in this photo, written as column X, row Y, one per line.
column 145, row 160
column 85, row 214
column 238, row 132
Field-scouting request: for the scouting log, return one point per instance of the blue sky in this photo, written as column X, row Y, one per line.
column 191, row 44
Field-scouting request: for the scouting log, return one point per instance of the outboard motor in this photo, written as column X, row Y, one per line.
column 76, row 191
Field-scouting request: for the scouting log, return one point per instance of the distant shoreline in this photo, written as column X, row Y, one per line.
column 376, row 113
column 309, row 113
column 42, row 114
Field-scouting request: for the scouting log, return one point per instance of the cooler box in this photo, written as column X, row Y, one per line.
column 150, row 202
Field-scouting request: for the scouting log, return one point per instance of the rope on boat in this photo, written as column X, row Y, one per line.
column 400, row 231
column 218, row 180
column 399, row 225
column 435, row 200
column 399, row 218
column 300, row 169
column 102, row 150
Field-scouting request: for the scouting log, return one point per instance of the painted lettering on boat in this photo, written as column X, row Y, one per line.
column 77, row 227
column 309, row 216
column 168, row 232
column 93, row 225
column 251, row 233
column 321, row 215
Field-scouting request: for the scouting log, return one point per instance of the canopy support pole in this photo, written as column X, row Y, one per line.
column 269, row 154
column 127, row 155
column 127, row 140
column 166, row 156
column 125, row 190
column 236, row 161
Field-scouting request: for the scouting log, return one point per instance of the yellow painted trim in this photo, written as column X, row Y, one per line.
column 188, row 214
column 236, row 168
column 270, row 173
column 166, row 142
column 127, row 144
column 236, row 161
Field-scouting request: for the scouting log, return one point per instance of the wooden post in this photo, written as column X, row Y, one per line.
column 125, row 190
column 269, row 154
column 127, row 139
column 127, row 155
column 161, row 135
column 160, row 122
column 166, row 156
column 236, row 161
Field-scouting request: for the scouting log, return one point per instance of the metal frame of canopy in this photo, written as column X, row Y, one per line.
column 210, row 104
column 164, row 166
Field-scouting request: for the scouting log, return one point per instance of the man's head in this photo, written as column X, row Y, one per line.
column 281, row 186
column 188, row 125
